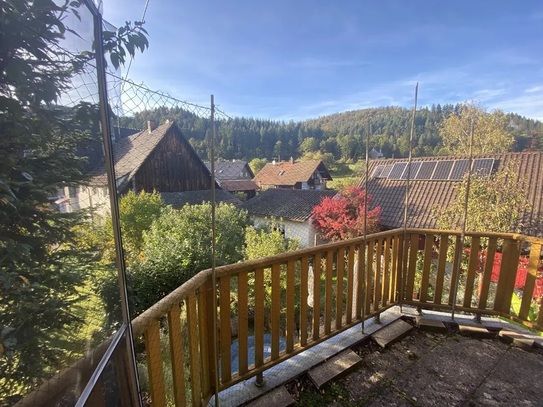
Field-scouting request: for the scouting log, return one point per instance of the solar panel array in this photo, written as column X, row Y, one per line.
column 411, row 170
column 397, row 170
column 426, row 170
column 387, row 170
column 459, row 170
column 378, row 171
column 443, row 170
column 483, row 166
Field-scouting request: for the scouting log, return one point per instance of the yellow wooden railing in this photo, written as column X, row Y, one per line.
column 479, row 290
column 287, row 303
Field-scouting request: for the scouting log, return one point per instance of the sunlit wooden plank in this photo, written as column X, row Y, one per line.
column 508, row 272
column 403, row 261
column 205, row 325
column 317, row 273
column 340, row 267
column 426, row 266
column 259, row 317
column 226, row 332
column 395, row 268
column 369, row 276
column 386, row 271
column 243, row 321
column 176, row 353
column 328, row 293
column 350, row 284
column 487, row 273
column 194, row 354
column 303, row 300
column 290, row 307
column 207, row 293
column 441, row 266
column 412, row 267
column 531, row 276
column 360, row 296
column 472, row 266
column 456, row 265
column 154, row 364
column 276, row 310
column 377, row 276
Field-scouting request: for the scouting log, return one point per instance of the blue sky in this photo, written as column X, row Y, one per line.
column 302, row 59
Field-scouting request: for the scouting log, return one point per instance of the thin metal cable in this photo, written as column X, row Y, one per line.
column 406, row 204
column 213, row 252
column 365, row 224
column 464, row 221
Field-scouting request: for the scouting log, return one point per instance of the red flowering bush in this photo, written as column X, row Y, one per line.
column 342, row 217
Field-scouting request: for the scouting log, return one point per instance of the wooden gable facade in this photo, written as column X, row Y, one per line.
column 172, row 166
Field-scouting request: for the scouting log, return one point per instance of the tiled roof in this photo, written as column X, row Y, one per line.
column 239, row 185
column 178, row 199
column 130, row 153
column 424, row 195
column 287, row 173
column 292, row 204
column 230, row 170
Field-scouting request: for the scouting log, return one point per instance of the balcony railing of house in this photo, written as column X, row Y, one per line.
column 280, row 306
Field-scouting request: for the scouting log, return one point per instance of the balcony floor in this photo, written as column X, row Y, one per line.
column 423, row 369
column 428, row 369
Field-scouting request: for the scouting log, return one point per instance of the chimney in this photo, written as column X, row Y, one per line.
column 273, row 162
column 291, row 160
column 150, row 125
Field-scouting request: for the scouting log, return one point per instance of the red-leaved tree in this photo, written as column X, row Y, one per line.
column 342, row 217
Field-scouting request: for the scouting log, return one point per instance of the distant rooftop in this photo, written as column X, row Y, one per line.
column 292, row 204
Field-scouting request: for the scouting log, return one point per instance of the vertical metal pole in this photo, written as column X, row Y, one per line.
column 105, row 124
column 213, row 251
column 406, row 204
column 464, row 219
column 365, row 224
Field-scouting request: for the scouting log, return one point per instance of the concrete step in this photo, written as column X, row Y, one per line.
column 333, row 367
column 517, row 339
column 279, row 397
column 475, row 330
column 392, row 333
column 431, row 325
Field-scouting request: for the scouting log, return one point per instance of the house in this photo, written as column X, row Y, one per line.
column 158, row 159
column 292, row 208
column 432, row 184
column 373, row 154
column 311, row 174
column 236, row 177
column 179, row 199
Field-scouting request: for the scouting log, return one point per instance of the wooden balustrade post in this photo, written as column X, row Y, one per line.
column 508, row 272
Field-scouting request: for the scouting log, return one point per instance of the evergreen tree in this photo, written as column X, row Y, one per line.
column 41, row 266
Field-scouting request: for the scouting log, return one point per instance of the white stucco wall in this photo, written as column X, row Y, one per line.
column 303, row 231
column 73, row 199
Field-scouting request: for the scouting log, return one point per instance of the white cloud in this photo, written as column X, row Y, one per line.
column 534, row 89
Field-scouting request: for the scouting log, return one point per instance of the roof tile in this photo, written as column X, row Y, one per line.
column 292, row 204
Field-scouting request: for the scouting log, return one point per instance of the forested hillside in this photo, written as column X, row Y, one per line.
column 341, row 134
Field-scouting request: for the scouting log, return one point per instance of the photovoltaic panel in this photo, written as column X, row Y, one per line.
column 386, row 171
column 397, row 170
column 459, row 170
column 482, row 166
column 414, row 168
column 426, row 170
column 443, row 168
column 377, row 171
